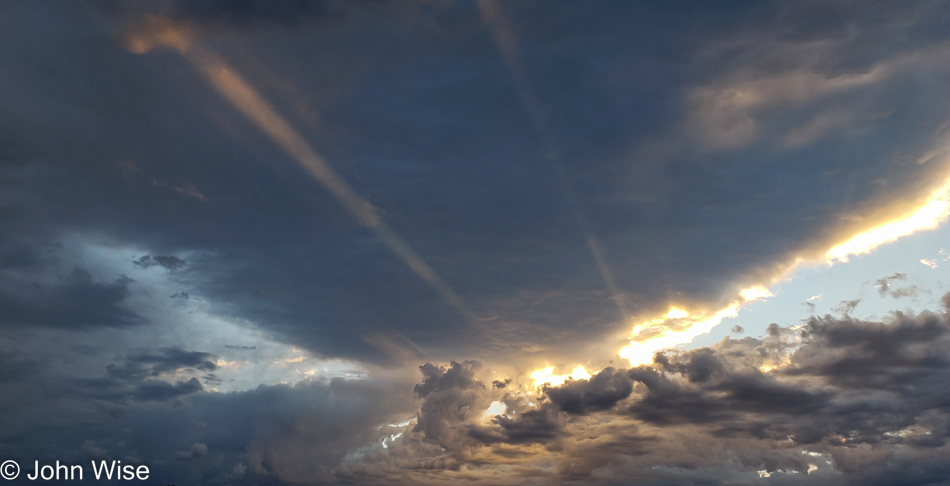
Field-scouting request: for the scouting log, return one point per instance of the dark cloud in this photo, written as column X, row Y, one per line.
column 883, row 283
column 249, row 14
column 173, row 359
column 167, row 360
column 449, row 397
column 698, row 365
column 15, row 368
column 541, row 425
column 864, row 396
column 864, row 400
column 159, row 391
column 269, row 435
column 425, row 122
column 454, row 399
column 899, row 356
column 885, row 286
column 169, row 262
column 668, row 402
column 458, row 376
column 197, row 450
column 601, row 392
column 75, row 302
column 829, row 388
column 19, row 255
column 847, row 306
column 148, row 377
column 702, row 145
column 910, row 291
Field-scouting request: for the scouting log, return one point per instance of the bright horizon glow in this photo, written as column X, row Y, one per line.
column 933, row 212
column 929, row 215
column 642, row 351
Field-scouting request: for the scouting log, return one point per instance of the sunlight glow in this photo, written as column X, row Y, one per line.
column 648, row 338
column 934, row 211
column 546, row 376
column 679, row 327
column 755, row 293
column 676, row 313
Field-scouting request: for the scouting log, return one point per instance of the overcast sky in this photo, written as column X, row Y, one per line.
column 494, row 242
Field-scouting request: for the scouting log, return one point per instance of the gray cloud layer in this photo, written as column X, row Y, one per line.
column 864, row 402
column 703, row 144
column 419, row 113
column 849, row 402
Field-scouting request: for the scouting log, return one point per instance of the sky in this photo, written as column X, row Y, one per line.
column 492, row 242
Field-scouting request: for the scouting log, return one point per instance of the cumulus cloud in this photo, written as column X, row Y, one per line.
column 270, row 435
column 601, row 392
column 837, row 400
column 854, row 395
column 197, row 450
column 450, row 396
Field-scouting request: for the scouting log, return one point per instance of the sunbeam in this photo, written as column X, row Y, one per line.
column 255, row 109
column 507, row 43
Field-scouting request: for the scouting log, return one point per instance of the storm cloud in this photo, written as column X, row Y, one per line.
column 846, row 401
column 460, row 179
column 75, row 302
column 852, row 403
column 489, row 188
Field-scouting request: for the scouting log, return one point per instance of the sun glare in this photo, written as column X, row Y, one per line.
column 676, row 313
column 546, row 376
column 679, row 327
column 934, row 211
